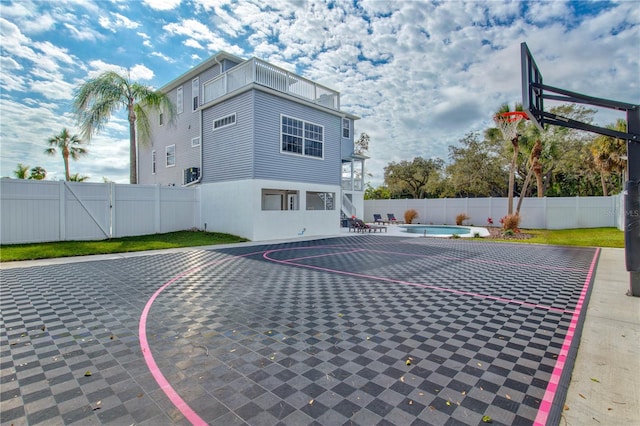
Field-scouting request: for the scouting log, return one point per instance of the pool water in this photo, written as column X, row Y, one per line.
column 437, row 229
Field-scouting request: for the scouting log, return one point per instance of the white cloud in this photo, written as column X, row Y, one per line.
column 162, row 4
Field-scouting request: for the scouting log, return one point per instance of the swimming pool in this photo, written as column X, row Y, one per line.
column 444, row 230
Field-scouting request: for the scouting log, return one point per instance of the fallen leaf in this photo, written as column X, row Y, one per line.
column 609, row 409
column 402, row 379
column 566, row 407
column 464, row 392
column 311, row 402
column 595, row 380
column 582, row 396
column 487, row 419
column 408, row 362
column 87, row 373
column 448, row 403
column 507, row 396
column 44, row 328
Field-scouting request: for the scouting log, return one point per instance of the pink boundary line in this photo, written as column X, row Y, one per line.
column 554, row 380
column 164, row 384
column 265, row 255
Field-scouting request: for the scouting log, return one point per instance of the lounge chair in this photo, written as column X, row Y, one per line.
column 392, row 218
column 377, row 218
column 363, row 227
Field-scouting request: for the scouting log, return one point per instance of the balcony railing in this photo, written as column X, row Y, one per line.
column 265, row 74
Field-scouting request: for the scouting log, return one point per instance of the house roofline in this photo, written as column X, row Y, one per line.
column 202, row 66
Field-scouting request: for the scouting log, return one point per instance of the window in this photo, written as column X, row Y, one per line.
column 195, row 90
column 279, row 199
column 171, row 155
column 225, row 121
column 320, row 200
column 195, row 142
column 346, row 129
column 301, row 137
column 161, row 118
column 180, row 100
column 153, row 162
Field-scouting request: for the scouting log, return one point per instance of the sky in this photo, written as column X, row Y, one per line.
column 420, row 74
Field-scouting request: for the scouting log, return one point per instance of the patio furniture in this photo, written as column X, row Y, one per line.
column 392, row 218
column 377, row 218
column 364, row 227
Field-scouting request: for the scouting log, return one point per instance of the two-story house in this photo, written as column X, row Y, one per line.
column 272, row 153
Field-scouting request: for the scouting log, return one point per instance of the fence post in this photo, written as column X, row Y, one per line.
column 113, row 229
column 157, row 209
column 63, row 211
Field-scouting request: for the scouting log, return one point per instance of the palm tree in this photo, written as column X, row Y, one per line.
column 38, row 173
column 97, row 99
column 69, row 146
column 77, row 178
column 21, row 171
column 608, row 154
column 516, row 150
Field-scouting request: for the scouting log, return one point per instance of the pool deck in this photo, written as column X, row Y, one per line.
column 605, row 385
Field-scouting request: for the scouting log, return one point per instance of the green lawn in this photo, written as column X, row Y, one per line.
column 584, row 237
column 590, row 237
column 117, row 245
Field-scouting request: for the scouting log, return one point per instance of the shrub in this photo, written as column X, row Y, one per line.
column 409, row 215
column 510, row 222
column 461, row 218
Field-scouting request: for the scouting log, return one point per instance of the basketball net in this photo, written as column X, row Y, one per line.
column 507, row 122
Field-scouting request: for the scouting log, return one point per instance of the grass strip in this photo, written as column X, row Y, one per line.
column 169, row 240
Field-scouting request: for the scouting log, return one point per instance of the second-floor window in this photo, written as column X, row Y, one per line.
column 153, row 161
column 180, row 100
column 171, row 155
column 346, row 129
column 195, row 90
column 301, row 137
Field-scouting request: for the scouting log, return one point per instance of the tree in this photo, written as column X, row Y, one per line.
column 21, row 171
column 77, row 178
column 475, row 169
column 361, row 146
column 69, row 146
column 608, row 154
column 38, row 173
column 379, row 193
column 97, row 99
column 514, row 159
column 414, row 178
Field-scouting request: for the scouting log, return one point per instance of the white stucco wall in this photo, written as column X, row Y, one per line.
column 236, row 208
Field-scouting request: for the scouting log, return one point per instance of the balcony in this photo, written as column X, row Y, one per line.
column 265, row 74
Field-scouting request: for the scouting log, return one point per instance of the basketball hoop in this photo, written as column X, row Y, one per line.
column 507, row 122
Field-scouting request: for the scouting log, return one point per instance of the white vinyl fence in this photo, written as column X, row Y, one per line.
column 535, row 213
column 39, row 211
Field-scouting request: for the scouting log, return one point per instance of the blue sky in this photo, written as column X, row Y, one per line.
column 421, row 74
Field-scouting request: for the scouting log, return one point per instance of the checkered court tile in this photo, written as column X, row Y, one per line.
column 360, row 330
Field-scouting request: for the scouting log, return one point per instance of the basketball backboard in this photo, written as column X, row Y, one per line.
column 532, row 100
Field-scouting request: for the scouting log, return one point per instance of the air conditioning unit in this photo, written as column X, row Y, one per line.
column 191, row 174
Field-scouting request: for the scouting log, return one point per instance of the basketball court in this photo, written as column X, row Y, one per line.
column 354, row 330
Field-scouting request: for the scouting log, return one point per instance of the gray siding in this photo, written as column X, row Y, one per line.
column 185, row 128
column 347, row 143
column 228, row 152
column 270, row 163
